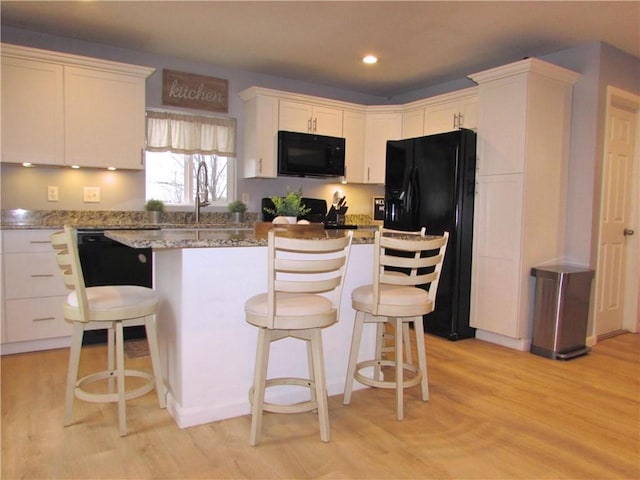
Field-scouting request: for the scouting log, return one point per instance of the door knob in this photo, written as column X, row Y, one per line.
column 628, row 232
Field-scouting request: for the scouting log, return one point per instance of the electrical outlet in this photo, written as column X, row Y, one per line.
column 245, row 198
column 52, row 193
column 91, row 194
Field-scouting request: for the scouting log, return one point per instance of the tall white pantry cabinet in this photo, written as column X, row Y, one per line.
column 521, row 181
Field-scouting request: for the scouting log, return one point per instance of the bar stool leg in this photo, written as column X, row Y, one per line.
column 259, row 385
column 72, row 373
column 152, row 339
column 407, row 342
column 120, row 380
column 422, row 357
column 353, row 356
column 380, row 348
column 398, row 337
column 319, row 382
column 312, row 375
column 111, row 361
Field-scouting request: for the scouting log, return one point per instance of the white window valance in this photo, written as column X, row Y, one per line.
column 191, row 134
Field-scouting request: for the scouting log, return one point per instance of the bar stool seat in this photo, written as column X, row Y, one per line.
column 111, row 307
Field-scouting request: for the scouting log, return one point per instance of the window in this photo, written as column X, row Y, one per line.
column 176, row 145
column 171, row 177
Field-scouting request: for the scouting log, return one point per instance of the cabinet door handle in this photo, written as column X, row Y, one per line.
column 42, row 275
column 455, row 120
column 42, row 319
column 315, row 124
column 34, row 242
column 309, row 125
column 628, row 232
column 260, row 166
column 460, row 120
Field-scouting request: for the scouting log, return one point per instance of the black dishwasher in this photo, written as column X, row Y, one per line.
column 107, row 262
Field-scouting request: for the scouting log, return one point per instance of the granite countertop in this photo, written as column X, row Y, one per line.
column 176, row 229
column 18, row 219
column 215, row 237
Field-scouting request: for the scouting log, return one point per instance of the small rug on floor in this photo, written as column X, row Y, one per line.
column 136, row 348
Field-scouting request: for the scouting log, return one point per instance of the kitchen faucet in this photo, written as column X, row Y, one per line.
column 202, row 181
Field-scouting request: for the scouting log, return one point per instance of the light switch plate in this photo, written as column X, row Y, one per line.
column 91, row 194
column 52, row 193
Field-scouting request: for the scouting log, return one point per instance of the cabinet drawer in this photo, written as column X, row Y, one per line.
column 27, row 241
column 32, row 275
column 34, row 319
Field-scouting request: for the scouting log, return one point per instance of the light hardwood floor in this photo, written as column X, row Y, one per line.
column 494, row 413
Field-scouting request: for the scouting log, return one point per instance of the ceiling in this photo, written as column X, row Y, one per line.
column 419, row 43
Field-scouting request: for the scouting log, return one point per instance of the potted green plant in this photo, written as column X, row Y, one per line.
column 156, row 207
column 237, row 209
column 289, row 206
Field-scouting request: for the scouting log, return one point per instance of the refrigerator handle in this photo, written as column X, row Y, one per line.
column 414, row 196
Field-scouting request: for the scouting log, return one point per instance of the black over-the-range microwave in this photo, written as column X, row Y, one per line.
column 310, row 155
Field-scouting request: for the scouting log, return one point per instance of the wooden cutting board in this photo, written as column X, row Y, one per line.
column 262, row 228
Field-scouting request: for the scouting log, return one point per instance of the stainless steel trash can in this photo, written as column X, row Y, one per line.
column 561, row 311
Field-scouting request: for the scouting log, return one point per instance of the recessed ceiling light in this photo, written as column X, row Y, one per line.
column 370, row 59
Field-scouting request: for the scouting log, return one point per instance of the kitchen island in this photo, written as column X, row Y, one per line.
column 208, row 350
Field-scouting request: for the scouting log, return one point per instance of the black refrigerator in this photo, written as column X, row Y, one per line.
column 430, row 182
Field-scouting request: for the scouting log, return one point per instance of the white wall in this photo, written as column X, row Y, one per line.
column 600, row 65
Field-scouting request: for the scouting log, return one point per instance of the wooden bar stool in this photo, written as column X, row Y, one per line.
column 304, row 290
column 403, row 261
column 113, row 306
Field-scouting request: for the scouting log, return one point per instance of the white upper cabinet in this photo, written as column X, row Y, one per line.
column 380, row 126
column 413, row 123
column 442, row 113
column 260, row 134
column 104, row 118
column 451, row 115
column 354, row 130
column 308, row 118
column 60, row 109
column 366, row 129
column 32, row 112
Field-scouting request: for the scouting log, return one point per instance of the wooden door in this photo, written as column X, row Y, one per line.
column 614, row 219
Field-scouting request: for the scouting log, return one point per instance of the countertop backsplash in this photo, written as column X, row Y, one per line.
column 18, row 218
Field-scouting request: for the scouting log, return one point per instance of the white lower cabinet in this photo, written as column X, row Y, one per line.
column 33, row 292
column 496, row 258
column 35, row 319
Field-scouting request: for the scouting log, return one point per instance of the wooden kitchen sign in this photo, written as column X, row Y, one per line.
column 195, row 91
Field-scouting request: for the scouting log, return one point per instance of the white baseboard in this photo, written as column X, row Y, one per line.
column 522, row 344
